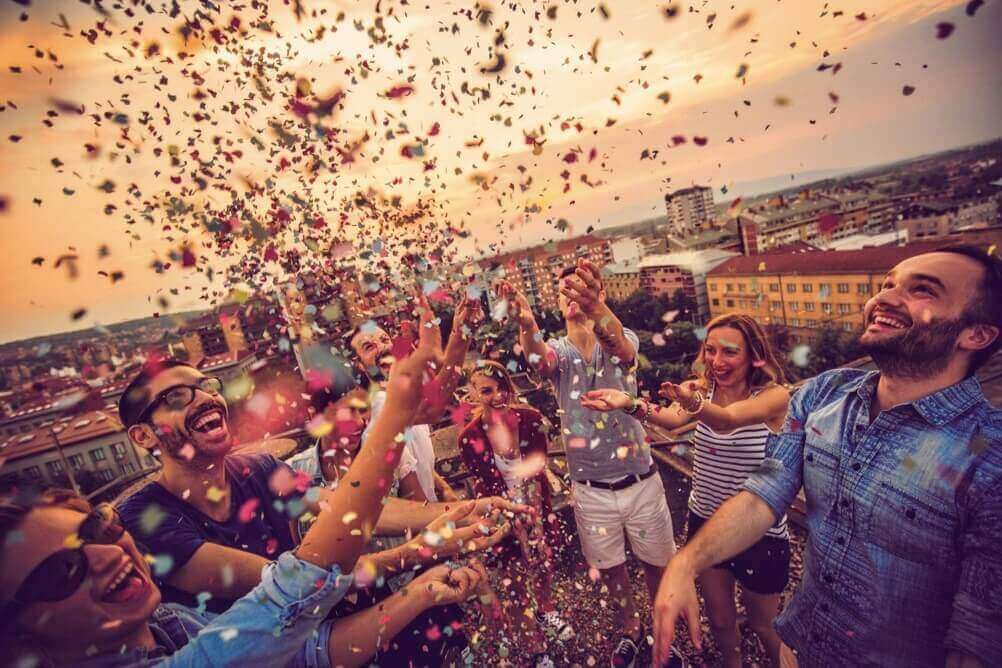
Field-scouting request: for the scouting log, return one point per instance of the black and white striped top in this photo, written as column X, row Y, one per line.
column 722, row 463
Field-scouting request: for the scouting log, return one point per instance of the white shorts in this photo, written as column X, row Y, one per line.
column 641, row 510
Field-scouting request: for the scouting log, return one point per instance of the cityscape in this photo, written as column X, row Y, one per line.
column 802, row 261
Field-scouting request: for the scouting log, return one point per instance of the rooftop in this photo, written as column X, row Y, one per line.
column 697, row 261
column 67, row 430
column 826, row 261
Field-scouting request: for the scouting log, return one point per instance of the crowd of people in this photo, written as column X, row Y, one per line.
column 356, row 552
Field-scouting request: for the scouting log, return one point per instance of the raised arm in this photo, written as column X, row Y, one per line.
column 439, row 393
column 530, row 338
column 585, row 288
column 668, row 417
column 768, row 406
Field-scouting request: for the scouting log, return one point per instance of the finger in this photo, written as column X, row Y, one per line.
column 459, row 513
column 692, row 620
column 588, row 278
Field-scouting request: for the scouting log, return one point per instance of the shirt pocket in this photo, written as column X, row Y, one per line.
column 915, row 527
column 821, row 463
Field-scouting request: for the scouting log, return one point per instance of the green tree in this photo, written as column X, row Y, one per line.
column 641, row 311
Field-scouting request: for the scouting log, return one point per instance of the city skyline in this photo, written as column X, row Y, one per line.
column 875, row 123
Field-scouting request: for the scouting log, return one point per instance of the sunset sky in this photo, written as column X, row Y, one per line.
column 470, row 156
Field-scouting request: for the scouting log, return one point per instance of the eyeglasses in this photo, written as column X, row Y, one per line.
column 180, row 396
column 60, row 575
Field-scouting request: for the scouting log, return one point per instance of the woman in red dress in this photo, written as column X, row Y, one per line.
column 504, row 447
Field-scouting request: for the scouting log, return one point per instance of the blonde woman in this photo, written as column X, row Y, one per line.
column 738, row 398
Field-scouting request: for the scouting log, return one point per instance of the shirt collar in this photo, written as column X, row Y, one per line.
column 937, row 408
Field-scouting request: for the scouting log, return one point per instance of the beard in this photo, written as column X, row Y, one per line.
column 921, row 351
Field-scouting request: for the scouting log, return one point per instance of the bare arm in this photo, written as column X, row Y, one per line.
column 585, row 288
column 410, row 489
column 536, row 352
column 465, row 319
column 737, row 525
column 224, row 572
column 445, row 491
column 768, row 406
column 670, row 417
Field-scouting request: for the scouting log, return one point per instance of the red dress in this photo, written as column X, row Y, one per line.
column 478, row 455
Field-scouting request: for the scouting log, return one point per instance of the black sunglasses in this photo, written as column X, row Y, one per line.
column 177, row 397
column 61, row 573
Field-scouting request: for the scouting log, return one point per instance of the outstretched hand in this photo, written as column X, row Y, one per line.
column 606, row 400
column 684, row 394
column 411, row 370
column 585, row 289
column 446, row 585
column 518, row 304
column 457, row 531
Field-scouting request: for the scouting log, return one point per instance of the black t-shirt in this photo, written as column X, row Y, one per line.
column 172, row 530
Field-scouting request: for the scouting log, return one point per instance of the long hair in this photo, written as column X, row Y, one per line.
column 497, row 372
column 765, row 370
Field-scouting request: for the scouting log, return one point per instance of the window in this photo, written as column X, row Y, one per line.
column 844, row 309
column 729, row 287
column 825, row 289
column 119, row 450
column 97, row 455
column 812, row 323
column 861, row 307
column 730, row 303
column 33, row 472
column 794, row 306
column 827, row 308
column 847, row 326
column 790, row 287
column 741, row 287
column 862, row 288
column 127, row 468
column 808, row 306
column 76, row 461
column 716, row 302
column 106, row 475
column 807, row 287
column 795, row 322
column 843, row 288
column 777, row 305
column 148, row 460
column 55, row 468
column 713, row 287
column 774, row 287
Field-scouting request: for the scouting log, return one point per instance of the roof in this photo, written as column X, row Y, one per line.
column 857, row 241
column 68, row 430
column 697, row 261
column 689, row 191
column 620, row 268
column 826, row 261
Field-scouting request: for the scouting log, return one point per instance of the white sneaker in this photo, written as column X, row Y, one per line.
column 557, row 625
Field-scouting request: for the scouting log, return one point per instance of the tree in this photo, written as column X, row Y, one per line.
column 684, row 304
column 832, row 348
column 642, row 311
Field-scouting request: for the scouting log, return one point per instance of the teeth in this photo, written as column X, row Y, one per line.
column 120, row 578
column 207, row 418
column 890, row 322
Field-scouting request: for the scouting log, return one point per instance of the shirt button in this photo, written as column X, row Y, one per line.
column 856, row 466
column 840, row 540
column 910, row 513
column 824, row 608
column 844, row 503
column 829, row 578
column 809, row 457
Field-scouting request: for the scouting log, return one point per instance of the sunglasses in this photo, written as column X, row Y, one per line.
column 60, row 575
column 180, row 396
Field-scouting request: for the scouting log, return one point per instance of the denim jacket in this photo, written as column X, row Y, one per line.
column 904, row 556
column 268, row 626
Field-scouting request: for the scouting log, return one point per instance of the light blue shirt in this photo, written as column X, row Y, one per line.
column 904, row 554
column 269, row 626
column 599, row 445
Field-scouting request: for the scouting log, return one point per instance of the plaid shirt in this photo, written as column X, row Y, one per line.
column 904, row 557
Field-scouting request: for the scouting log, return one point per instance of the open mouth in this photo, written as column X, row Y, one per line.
column 886, row 321
column 127, row 585
column 209, row 421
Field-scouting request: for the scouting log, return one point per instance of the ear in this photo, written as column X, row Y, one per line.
column 977, row 337
column 143, row 436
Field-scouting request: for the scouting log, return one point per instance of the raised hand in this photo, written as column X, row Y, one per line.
column 606, row 400
column 676, row 599
column 407, row 375
column 518, row 304
column 585, row 289
column 469, row 314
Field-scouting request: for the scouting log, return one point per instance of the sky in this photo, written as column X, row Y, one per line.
column 440, row 136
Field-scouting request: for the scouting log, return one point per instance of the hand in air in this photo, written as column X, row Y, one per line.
column 584, row 288
column 684, row 394
column 408, row 373
column 518, row 304
column 606, row 400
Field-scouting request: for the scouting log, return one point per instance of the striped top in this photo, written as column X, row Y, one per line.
column 722, row 463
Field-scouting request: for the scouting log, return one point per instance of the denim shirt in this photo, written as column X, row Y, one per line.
column 904, row 555
column 268, row 626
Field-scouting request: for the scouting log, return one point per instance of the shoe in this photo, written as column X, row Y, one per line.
column 542, row 661
column 625, row 654
column 553, row 622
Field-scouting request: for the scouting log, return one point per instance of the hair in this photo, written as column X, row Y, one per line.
column 136, row 396
column 986, row 306
column 567, row 271
column 15, row 508
column 757, row 345
column 495, row 371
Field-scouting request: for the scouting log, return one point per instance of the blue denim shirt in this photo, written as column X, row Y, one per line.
column 268, row 626
column 904, row 556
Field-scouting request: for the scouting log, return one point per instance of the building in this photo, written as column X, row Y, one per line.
column 93, row 446
column 620, row 280
column 725, row 237
column 685, row 271
column 688, row 210
column 806, row 291
column 935, row 219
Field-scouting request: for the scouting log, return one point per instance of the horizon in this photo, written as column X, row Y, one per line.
column 782, row 112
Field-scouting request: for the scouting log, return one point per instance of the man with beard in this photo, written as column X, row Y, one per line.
column 902, row 469
column 374, row 353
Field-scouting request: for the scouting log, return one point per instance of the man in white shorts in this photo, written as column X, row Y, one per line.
column 616, row 487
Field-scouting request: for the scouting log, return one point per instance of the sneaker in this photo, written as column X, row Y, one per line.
column 625, row 654
column 542, row 661
column 554, row 623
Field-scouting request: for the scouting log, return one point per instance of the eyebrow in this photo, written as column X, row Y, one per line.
column 929, row 279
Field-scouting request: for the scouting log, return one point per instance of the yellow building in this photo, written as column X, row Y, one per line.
column 620, row 281
column 808, row 290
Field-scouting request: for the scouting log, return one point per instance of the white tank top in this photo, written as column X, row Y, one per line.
column 722, row 463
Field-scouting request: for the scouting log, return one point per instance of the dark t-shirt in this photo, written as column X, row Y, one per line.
column 172, row 530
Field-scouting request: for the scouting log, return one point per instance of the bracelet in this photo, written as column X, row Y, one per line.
column 632, row 410
column 699, row 405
